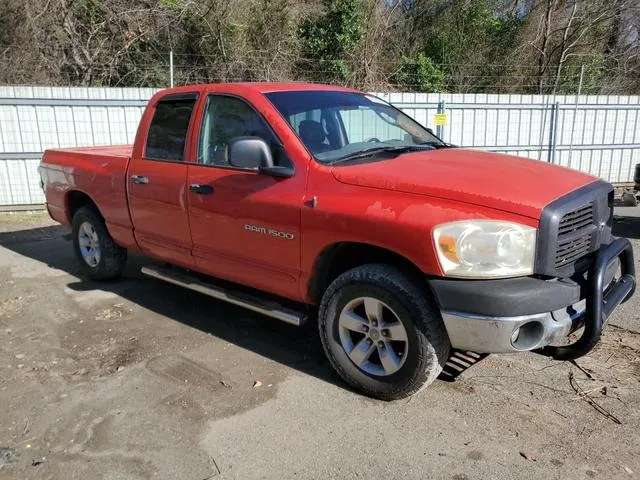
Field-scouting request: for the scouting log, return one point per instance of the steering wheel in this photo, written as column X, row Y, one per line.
column 373, row 139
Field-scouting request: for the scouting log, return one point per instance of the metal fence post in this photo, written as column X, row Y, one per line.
column 575, row 114
column 171, row 68
column 553, row 131
column 439, row 128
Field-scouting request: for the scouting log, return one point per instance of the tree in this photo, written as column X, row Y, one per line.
column 329, row 38
column 468, row 38
column 565, row 34
column 529, row 46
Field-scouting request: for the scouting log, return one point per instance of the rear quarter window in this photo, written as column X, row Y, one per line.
column 168, row 130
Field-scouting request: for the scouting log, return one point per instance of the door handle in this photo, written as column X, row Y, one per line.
column 139, row 179
column 201, row 189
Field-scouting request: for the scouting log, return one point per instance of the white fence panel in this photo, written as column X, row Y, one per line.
column 33, row 119
column 599, row 135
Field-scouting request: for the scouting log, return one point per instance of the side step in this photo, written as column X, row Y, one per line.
column 271, row 309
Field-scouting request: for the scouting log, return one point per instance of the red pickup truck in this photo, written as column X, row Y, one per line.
column 305, row 201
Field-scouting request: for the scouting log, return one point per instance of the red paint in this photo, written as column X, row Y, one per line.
column 513, row 184
column 392, row 204
column 159, row 209
column 224, row 247
column 97, row 172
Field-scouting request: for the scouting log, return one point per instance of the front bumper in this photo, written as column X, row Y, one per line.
column 477, row 333
column 520, row 314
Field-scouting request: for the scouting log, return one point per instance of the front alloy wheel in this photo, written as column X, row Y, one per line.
column 382, row 332
column 373, row 336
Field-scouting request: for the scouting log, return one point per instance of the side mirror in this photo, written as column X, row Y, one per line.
column 430, row 130
column 249, row 152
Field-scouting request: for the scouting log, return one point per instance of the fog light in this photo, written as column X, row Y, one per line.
column 527, row 336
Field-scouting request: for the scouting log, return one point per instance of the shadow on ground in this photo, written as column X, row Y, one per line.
column 298, row 348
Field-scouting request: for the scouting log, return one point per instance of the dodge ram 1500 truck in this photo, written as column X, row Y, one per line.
column 305, row 201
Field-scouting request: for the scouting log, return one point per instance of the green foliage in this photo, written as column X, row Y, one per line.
column 420, row 74
column 471, row 33
column 472, row 25
column 595, row 75
column 171, row 4
column 339, row 30
column 338, row 70
column 93, row 10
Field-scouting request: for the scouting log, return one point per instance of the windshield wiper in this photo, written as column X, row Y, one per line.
column 373, row 151
column 437, row 145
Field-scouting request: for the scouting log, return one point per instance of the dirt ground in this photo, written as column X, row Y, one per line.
column 138, row 379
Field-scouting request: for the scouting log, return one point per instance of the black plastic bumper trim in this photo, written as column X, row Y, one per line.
column 510, row 297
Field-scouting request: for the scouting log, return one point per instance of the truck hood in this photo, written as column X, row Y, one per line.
column 503, row 182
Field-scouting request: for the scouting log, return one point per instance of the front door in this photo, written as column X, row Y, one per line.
column 245, row 225
column 157, row 182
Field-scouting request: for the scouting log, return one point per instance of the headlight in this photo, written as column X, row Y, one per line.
column 485, row 249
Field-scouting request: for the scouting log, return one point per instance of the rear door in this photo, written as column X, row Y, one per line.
column 157, row 180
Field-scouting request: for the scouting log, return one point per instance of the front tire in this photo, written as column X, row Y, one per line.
column 100, row 257
column 382, row 333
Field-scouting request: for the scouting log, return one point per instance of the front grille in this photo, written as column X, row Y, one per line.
column 572, row 227
column 574, row 235
column 576, row 220
column 571, row 250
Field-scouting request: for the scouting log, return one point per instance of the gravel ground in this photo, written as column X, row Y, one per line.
column 137, row 379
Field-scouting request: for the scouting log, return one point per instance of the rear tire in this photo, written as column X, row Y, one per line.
column 395, row 324
column 100, row 257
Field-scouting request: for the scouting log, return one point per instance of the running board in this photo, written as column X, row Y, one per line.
column 271, row 309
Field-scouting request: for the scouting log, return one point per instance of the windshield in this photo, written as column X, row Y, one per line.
column 337, row 125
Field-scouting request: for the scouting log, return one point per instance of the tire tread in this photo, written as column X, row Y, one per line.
column 434, row 351
column 114, row 257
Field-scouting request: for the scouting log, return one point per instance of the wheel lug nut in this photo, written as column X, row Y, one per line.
column 384, row 333
column 365, row 328
column 381, row 344
column 369, row 342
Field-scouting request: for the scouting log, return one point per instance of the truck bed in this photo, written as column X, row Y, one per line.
column 121, row 151
column 100, row 172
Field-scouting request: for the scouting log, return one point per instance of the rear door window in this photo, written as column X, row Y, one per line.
column 168, row 131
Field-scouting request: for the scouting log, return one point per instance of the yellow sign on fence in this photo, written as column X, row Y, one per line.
column 440, row 119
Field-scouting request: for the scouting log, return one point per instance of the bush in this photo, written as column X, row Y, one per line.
column 420, row 74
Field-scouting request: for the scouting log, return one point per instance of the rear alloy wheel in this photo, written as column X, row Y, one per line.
column 382, row 332
column 89, row 244
column 99, row 255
